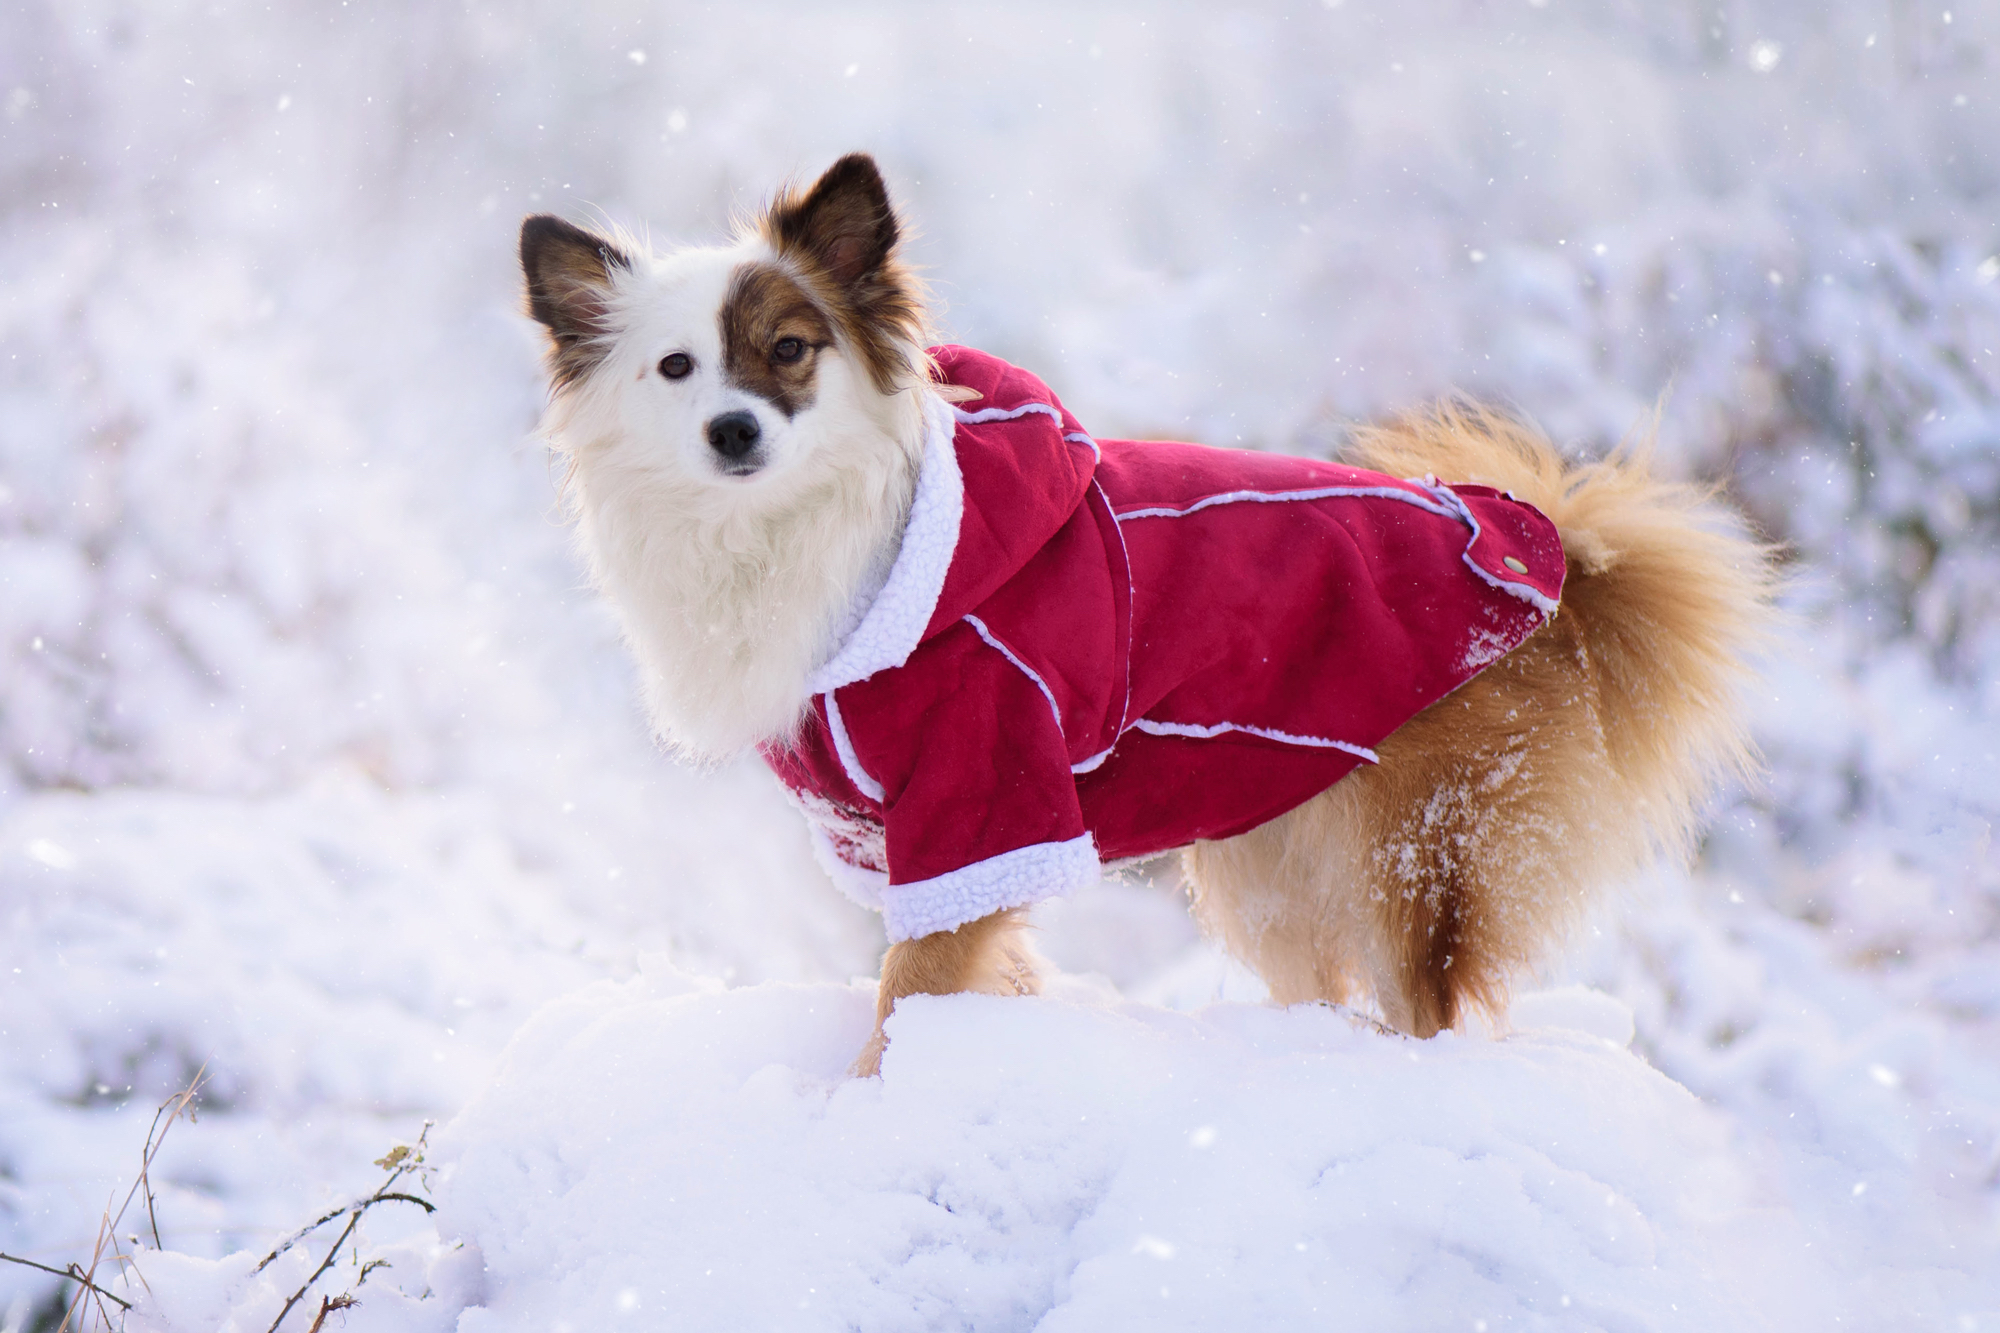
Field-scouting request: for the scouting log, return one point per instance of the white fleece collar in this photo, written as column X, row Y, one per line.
column 895, row 621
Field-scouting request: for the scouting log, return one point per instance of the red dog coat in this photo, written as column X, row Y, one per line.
column 1110, row 648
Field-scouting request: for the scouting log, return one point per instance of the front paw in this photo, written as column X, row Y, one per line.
column 869, row 1063
column 1018, row 970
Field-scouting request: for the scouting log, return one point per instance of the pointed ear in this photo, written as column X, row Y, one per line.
column 569, row 273
column 842, row 235
column 844, row 225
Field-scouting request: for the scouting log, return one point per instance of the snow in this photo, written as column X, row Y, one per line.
column 319, row 768
column 1080, row 1163
column 1086, row 1163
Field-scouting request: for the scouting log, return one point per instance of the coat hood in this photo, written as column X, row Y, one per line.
column 1001, row 474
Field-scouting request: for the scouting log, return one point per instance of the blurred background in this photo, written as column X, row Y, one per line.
column 320, row 767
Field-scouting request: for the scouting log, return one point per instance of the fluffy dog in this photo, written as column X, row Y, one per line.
column 985, row 650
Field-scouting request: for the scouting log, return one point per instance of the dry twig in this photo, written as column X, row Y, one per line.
column 73, row 1273
column 107, row 1231
column 327, row 1305
column 398, row 1162
column 87, row 1288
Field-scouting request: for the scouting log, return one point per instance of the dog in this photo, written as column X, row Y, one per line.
column 1404, row 731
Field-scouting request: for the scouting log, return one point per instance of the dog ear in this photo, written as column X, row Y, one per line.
column 843, row 234
column 844, row 225
column 569, row 273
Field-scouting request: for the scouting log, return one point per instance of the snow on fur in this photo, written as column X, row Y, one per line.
column 307, row 732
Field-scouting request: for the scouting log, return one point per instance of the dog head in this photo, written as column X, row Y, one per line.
column 737, row 370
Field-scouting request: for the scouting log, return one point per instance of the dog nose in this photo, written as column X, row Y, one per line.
column 733, row 434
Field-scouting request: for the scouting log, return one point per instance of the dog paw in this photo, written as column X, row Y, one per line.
column 1358, row 1020
column 868, row 1064
column 1016, row 971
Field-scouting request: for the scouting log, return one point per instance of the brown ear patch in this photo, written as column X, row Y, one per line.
column 765, row 310
column 841, row 237
column 569, row 273
column 844, row 224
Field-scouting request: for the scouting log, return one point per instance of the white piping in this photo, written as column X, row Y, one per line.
column 843, row 745
column 1093, row 763
column 1526, row 592
column 985, row 414
column 1131, row 596
column 979, row 627
column 1452, row 506
column 1152, row 728
column 1278, row 497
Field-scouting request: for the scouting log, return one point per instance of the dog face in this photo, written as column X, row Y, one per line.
column 732, row 370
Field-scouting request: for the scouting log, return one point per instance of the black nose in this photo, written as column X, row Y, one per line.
column 733, row 434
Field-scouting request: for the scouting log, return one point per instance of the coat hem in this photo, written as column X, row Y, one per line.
column 1012, row 879
column 860, row 884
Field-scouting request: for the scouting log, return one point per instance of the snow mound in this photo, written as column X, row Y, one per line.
column 665, row 1150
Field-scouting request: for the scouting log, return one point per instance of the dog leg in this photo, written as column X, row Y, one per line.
column 1363, row 888
column 989, row 956
column 1453, row 866
column 1425, row 971
column 1281, row 899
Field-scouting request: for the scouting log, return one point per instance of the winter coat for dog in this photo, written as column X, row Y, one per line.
column 1104, row 649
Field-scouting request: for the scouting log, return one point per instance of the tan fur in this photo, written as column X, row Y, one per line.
column 989, row 956
column 1498, row 814
column 765, row 305
column 1432, row 880
column 843, row 241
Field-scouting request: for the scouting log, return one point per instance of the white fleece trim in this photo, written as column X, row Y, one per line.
column 986, row 414
column 1527, row 592
column 859, row 883
column 1078, row 437
column 1319, row 493
column 979, row 627
column 843, row 745
column 1189, row 729
column 895, row 621
column 1011, row 879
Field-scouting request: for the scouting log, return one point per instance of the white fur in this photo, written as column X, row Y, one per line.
column 731, row 589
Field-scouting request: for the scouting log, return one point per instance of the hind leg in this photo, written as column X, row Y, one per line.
column 1283, row 900
column 1311, row 903
column 1436, row 876
column 1368, row 887
column 1436, row 946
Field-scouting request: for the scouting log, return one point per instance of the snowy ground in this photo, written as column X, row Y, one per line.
column 320, row 770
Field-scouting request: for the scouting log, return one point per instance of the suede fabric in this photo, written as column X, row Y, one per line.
column 1134, row 645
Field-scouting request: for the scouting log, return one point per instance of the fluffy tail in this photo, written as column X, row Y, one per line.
column 1667, row 596
column 1498, row 815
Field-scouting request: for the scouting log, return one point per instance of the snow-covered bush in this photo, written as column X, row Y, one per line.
column 317, row 763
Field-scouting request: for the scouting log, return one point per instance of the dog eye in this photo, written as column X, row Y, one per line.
column 676, row 365
column 788, row 350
